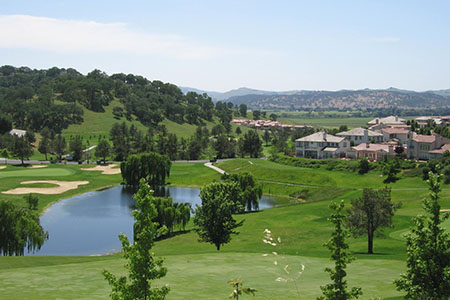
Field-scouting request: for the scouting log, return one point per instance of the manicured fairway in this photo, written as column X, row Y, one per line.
column 44, row 172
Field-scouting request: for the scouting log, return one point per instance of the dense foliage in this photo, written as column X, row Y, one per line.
column 142, row 265
column 20, row 228
column 428, row 255
column 152, row 167
column 213, row 220
column 250, row 188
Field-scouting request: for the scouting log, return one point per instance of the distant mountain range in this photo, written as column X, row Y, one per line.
column 343, row 99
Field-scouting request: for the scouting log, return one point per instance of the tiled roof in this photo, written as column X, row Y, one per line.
column 387, row 120
column 444, row 148
column 321, row 137
column 391, row 130
column 420, row 138
column 359, row 132
column 371, row 147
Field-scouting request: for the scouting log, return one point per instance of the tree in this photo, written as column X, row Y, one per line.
column 363, row 166
column 273, row 116
column 20, row 229
column 256, row 115
column 250, row 188
column 142, row 265
column 266, row 137
column 151, row 166
column 238, row 130
column 391, row 169
column 5, row 155
column 5, row 124
column 338, row 247
column 76, row 147
column 103, row 149
column 44, row 146
column 243, row 110
column 213, row 220
column 373, row 210
column 21, row 147
column 59, row 145
column 428, row 252
column 252, row 144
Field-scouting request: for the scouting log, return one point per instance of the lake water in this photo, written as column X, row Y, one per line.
column 89, row 224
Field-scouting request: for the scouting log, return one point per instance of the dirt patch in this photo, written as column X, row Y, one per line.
column 107, row 170
column 63, row 186
column 445, row 210
column 2, row 167
column 37, row 166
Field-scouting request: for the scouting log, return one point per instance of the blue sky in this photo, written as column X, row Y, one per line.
column 221, row 45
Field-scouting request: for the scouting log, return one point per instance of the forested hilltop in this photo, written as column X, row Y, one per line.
column 37, row 99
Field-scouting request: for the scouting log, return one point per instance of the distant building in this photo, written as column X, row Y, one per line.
column 362, row 135
column 402, row 135
column 373, row 151
column 18, row 132
column 379, row 123
column 321, row 145
column 423, row 146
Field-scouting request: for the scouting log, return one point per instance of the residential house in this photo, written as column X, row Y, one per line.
column 421, row 146
column 321, row 145
column 372, row 151
column 379, row 123
column 402, row 135
column 18, row 132
column 362, row 135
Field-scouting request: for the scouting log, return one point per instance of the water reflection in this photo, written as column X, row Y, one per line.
column 89, row 224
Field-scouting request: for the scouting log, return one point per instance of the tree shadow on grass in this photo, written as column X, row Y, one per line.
column 172, row 234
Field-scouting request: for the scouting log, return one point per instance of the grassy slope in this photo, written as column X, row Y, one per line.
column 303, row 229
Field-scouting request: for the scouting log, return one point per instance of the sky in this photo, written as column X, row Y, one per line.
column 222, row 45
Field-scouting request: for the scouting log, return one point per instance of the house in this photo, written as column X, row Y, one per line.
column 396, row 133
column 321, row 145
column 373, row 151
column 361, row 135
column 18, row 132
column 426, row 121
column 379, row 123
column 423, row 146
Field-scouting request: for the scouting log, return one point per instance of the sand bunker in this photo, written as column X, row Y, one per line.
column 107, row 170
column 37, row 166
column 445, row 210
column 2, row 167
column 63, row 186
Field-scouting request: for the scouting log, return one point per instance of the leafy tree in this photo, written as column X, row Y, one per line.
column 266, row 137
column 256, row 115
column 32, row 201
column 5, row 155
column 120, row 137
column 428, row 252
column 21, row 147
column 5, row 124
column 338, row 247
column 76, row 147
column 44, row 146
column 391, row 169
column 151, row 166
column 243, row 110
column 363, row 166
column 59, row 145
column 172, row 146
column 373, row 210
column 142, row 265
column 213, row 220
column 238, row 130
column 252, row 144
column 273, row 117
column 103, row 149
column 250, row 188
column 19, row 229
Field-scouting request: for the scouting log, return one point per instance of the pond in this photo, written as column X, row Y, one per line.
column 89, row 224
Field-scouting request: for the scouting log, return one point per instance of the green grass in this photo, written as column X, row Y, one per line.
column 197, row 270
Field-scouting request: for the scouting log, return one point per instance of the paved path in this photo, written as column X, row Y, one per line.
column 209, row 165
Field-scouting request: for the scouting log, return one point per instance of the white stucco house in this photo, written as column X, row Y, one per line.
column 321, row 145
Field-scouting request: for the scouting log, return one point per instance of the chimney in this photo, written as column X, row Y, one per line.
column 367, row 145
column 325, row 136
column 366, row 135
column 377, row 120
column 396, row 118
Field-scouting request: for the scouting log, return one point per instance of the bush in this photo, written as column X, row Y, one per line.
column 328, row 164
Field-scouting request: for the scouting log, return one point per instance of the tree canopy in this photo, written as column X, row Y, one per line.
column 152, row 167
column 213, row 220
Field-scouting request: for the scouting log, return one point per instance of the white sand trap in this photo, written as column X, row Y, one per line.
column 37, row 166
column 63, row 186
column 2, row 167
column 445, row 210
column 107, row 170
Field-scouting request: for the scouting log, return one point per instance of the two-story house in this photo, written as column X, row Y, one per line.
column 421, row 146
column 361, row 135
column 402, row 135
column 321, row 145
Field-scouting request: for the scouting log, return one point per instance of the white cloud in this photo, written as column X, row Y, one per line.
column 387, row 39
column 78, row 36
